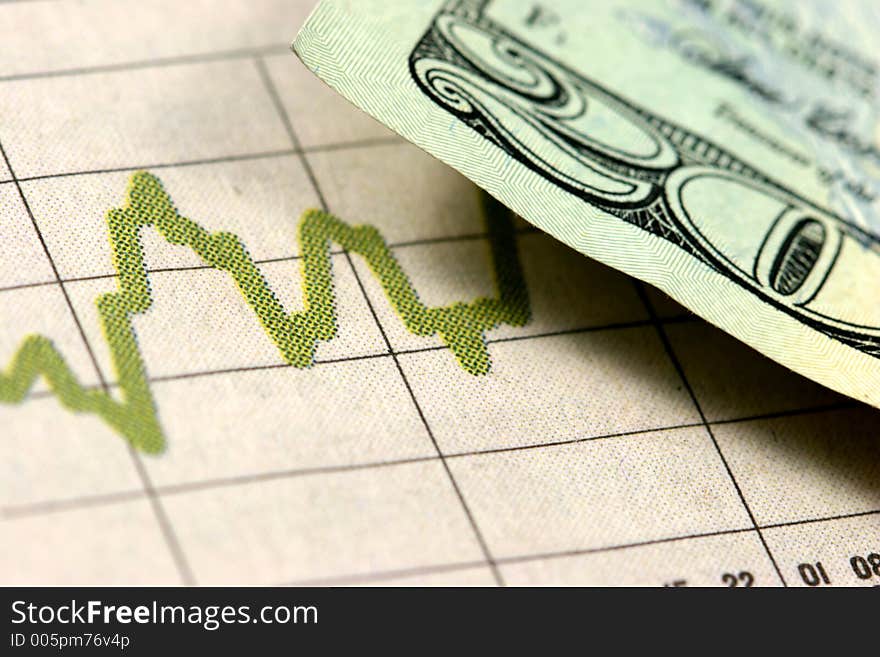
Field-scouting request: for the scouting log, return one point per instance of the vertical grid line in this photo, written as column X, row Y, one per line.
column 162, row 519
column 478, row 534
column 676, row 363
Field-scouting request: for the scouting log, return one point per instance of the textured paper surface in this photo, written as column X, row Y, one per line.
column 614, row 439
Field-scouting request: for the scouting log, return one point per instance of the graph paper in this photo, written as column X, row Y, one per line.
column 563, row 425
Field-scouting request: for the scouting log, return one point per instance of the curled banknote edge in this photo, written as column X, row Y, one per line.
column 622, row 146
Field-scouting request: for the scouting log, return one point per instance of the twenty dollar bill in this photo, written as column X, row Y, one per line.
column 724, row 151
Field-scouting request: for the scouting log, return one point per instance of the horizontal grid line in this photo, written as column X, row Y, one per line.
column 391, row 574
column 623, row 546
column 370, row 142
column 416, row 350
column 398, row 352
column 561, row 554
column 21, row 2
column 451, row 239
column 357, row 578
column 501, row 561
column 220, row 159
column 809, row 521
column 821, row 408
column 261, row 261
column 237, row 480
column 573, row 441
column 48, row 507
column 157, row 62
column 25, row 286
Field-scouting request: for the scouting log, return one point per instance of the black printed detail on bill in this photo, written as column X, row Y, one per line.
column 641, row 168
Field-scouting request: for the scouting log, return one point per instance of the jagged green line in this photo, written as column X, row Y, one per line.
column 461, row 325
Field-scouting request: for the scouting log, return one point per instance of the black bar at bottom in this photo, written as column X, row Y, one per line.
column 147, row 620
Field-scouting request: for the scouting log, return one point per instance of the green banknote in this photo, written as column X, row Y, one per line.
column 725, row 151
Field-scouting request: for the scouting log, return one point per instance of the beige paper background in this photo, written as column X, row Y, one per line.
column 582, row 458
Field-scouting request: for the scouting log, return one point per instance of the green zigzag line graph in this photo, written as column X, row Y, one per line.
column 461, row 325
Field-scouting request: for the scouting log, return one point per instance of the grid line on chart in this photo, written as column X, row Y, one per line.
column 51, row 506
column 329, row 147
column 667, row 345
column 258, row 261
column 288, row 125
column 399, row 352
column 159, row 513
column 359, row 578
column 178, row 60
column 355, row 578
